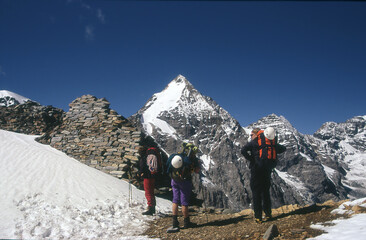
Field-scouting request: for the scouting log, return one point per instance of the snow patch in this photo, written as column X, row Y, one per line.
column 295, row 183
column 329, row 172
column 206, row 161
column 291, row 180
column 343, row 229
column 206, row 181
column 306, row 157
column 350, row 228
column 342, row 209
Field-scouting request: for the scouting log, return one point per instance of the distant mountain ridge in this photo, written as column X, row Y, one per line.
column 8, row 98
column 315, row 168
column 346, row 143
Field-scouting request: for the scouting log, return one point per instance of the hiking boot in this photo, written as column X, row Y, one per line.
column 267, row 218
column 188, row 223
column 175, row 221
column 259, row 221
column 150, row 211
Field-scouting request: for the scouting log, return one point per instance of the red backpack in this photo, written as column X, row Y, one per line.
column 267, row 148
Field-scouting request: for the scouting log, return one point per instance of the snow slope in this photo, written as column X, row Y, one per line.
column 44, row 193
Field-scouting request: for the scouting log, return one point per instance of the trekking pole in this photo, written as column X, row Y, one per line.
column 203, row 195
column 204, row 204
column 129, row 187
column 189, row 153
column 129, row 194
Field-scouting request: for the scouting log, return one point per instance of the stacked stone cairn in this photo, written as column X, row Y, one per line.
column 97, row 136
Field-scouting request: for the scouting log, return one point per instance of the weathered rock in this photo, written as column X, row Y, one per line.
column 30, row 118
column 271, row 232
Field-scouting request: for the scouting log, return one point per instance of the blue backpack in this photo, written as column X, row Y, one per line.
column 183, row 172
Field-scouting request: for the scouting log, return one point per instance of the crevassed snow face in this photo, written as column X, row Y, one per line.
column 356, row 175
column 348, row 148
column 295, row 183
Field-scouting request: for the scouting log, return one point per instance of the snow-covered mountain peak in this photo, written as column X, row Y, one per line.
column 352, row 132
column 280, row 123
column 173, row 91
column 8, row 98
column 178, row 97
column 181, row 79
column 176, row 86
column 350, row 128
column 180, row 113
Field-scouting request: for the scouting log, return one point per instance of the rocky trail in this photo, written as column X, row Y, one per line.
column 292, row 222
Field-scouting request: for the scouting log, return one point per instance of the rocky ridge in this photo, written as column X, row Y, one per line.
column 345, row 144
column 312, row 170
column 30, row 118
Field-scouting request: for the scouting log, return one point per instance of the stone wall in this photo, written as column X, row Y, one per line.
column 30, row 118
column 97, row 136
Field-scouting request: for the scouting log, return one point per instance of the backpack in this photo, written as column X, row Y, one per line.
column 183, row 172
column 153, row 160
column 267, row 150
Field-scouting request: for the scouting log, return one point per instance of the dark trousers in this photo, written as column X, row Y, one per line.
column 260, row 183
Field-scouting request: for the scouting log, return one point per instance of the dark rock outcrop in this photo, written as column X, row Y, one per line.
column 30, row 118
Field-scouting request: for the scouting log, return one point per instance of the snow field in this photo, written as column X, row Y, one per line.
column 46, row 194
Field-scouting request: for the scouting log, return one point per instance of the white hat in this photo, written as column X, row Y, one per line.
column 270, row 133
column 177, row 161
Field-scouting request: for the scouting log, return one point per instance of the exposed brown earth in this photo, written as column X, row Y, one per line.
column 293, row 222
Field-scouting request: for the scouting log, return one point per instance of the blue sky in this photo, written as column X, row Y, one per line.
column 303, row 60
